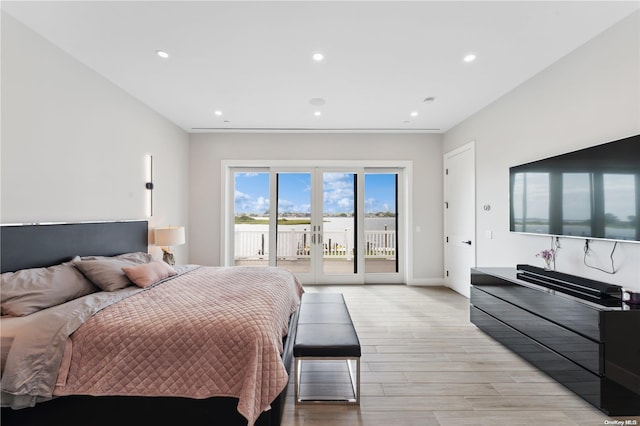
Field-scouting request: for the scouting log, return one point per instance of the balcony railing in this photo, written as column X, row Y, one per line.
column 294, row 244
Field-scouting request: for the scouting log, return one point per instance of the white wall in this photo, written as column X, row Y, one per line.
column 591, row 96
column 425, row 150
column 73, row 144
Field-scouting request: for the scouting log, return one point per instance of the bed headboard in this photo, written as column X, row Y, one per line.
column 33, row 246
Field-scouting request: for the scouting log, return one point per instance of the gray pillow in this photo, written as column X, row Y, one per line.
column 136, row 257
column 30, row 290
column 106, row 273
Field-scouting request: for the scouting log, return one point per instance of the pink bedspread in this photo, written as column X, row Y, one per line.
column 211, row 332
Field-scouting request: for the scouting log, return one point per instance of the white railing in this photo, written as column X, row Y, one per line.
column 296, row 244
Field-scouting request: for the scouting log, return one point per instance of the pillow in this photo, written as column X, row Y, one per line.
column 136, row 257
column 149, row 273
column 106, row 273
column 29, row 290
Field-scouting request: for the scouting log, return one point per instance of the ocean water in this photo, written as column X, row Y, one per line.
column 332, row 224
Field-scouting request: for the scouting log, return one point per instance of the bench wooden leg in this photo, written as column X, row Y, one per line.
column 354, row 378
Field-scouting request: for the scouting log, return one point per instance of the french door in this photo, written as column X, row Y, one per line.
column 328, row 225
column 316, row 224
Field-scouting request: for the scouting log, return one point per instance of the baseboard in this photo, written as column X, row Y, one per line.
column 427, row 282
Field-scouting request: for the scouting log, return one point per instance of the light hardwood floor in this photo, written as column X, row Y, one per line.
column 424, row 363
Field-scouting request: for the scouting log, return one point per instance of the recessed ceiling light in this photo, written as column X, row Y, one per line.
column 318, row 57
column 162, row 54
column 414, row 114
column 469, row 58
column 218, row 113
column 317, row 113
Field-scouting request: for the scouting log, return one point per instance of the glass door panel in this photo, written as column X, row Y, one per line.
column 339, row 223
column 380, row 223
column 326, row 225
column 251, row 218
column 293, row 226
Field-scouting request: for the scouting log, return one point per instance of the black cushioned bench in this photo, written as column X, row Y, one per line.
column 325, row 332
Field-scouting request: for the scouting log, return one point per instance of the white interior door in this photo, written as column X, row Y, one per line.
column 460, row 220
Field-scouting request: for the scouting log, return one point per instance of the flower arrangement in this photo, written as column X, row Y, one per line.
column 548, row 256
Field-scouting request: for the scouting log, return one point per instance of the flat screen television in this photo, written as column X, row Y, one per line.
column 591, row 193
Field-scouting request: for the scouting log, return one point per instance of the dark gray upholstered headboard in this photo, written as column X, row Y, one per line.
column 33, row 246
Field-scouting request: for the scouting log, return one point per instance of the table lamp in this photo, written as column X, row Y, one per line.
column 167, row 237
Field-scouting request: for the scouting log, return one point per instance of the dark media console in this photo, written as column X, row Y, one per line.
column 578, row 331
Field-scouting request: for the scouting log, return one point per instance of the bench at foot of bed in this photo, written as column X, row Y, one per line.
column 325, row 333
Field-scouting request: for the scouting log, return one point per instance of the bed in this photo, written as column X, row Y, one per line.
column 190, row 343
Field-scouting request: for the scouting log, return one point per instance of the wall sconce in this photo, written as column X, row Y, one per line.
column 166, row 237
column 149, row 184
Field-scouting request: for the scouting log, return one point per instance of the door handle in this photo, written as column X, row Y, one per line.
column 467, row 242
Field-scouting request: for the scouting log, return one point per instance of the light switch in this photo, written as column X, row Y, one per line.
column 488, row 235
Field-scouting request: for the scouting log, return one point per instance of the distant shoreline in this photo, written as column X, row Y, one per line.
column 331, row 224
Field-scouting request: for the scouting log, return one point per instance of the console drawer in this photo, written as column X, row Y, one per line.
column 572, row 314
column 579, row 349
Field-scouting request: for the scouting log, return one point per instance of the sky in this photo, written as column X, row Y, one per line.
column 294, row 192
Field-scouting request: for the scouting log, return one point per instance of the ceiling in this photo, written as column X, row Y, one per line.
column 252, row 61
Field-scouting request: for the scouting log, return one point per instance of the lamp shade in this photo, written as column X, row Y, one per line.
column 169, row 236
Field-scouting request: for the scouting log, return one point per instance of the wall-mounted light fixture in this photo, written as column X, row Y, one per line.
column 149, row 184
